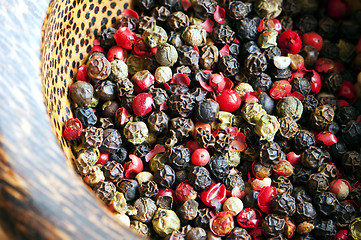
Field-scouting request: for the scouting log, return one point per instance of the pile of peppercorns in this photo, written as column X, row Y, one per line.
column 211, row 119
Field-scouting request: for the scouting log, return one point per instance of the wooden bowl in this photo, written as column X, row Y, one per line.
column 41, row 196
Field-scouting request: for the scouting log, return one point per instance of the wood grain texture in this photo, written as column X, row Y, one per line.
column 41, row 197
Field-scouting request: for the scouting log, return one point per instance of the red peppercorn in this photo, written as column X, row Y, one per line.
column 96, row 48
column 215, row 191
column 340, row 187
column 219, row 15
column 293, row 158
column 249, row 218
column 278, row 25
column 280, row 89
column 207, row 25
column 313, row 39
column 130, row 13
column 222, row 223
column 257, row 234
column 82, row 74
column 180, row 79
column 125, row 38
column 140, row 49
column 338, row 9
column 343, row 235
column 347, row 91
column 184, row 191
column 290, row 42
column 217, row 82
column 229, row 100
column 117, row 52
column 143, row 80
column 200, row 157
column 103, row 158
column 133, row 167
column 122, row 116
column 264, row 198
column 192, row 146
column 73, row 129
column 316, row 82
column 326, row 138
column 142, row 104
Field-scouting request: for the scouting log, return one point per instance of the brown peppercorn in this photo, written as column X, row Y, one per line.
column 223, row 141
column 177, row 21
column 111, row 141
column 204, row 8
column 194, row 35
column 203, row 218
column 196, row 233
column 106, row 90
column 124, row 87
column 199, row 178
column 105, row 191
column 130, row 189
column 158, row 122
column 113, row 171
column 304, row 139
column 284, row 204
column 238, row 10
column 146, row 22
column 333, row 82
column 92, row 137
column 317, row 182
column 160, row 13
column 145, row 209
column 183, row 127
column 164, row 176
column 288, row 127
column 273, row 224
column 329, row 170
column 208, row 56
column 165, row 202
column 148, row 189
column 181, row 103
column 256, row 62
column 270, row 153
column 239, row 234
column 310, row 55
column 188, row 56
column 189, row 209
column 81, row 93
column 98, row 67
column 179, row 157
column 351, row 163
column 175, row 235
column 322, row 117
column 283, row 184
column 223, row 34
column 305, row 228
column 313, row 157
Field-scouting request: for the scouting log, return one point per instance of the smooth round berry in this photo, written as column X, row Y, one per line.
column 313, row 39
column 229, row 100
column 117, row 52
column 142, row 104
column 200, row 157
column 290, row 42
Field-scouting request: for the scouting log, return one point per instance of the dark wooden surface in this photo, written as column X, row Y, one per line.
column 40, row 195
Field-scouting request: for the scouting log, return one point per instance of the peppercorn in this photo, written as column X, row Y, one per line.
column 204, row 8
column 283, row 184
column 188, row 56
column 260, row 81
column 270, row 153
column 317, row 182
column 105, row 191
column 346, row 113
column 92, row 137
column 267, row 39
column 140, row 228
column 181, row 103
column 86, row 116
column 250, row 47
column 148, row 188
column 301, row 85
column 111, row 141
column 207, row 111
column 146, row 209
column 164, row 175
column 124, row 87
column 145, row 4
column 239, row 234
column 113, row 171
column 313, row 157
column 154, row 36
column 284, row 204
column 267, row 127
column 199, row 177
column 166, row 55
column 273, row 225
column 351, row 133
column 146, row 22
column 326, row 203
column 196, row 233
column 256, row 62
column 252, row 112
column 223, row 34
column 189, row 209
column 310, row 55
column 106, row 38
column 304, row 212
column 94, row 175
column 194, row 35
column 119, row 71
column 179, row 157
column 289, row 107
column 130, row 189
column 165, row 222
column 322, row 117
column 345, row 213
column 351, row 163
column 300, row 195
column 208, row 56
column 160, row 13
column 261, row 171
column 158, row 122
column 98, row 67
column 81, row 93
column 288, row 127
column 175, row 235
column 233, row 205
column 160, row 96
column 177, row 21
column 183, row 127
column 246, row 28
column 125, row 21
column 325, row 229
column 218, row 166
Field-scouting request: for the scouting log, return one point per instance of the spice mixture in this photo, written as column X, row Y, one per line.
column 223, row 119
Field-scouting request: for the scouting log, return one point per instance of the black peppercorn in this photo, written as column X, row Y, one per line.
column 112, row 141
column 92, row 137
column 207, row 111
column 140, row 150
column 300, row 195
column 179, row 157
column 160, row 13
column 326, row 203
column 177, row 21
column 199, row 93
column 105, row 191
column 304, row 212
column 148, row 189
column 145, row 4
column 164, row 176
column 181, row 103
column 120, row 156
column 175, row 235
column 146, row 22
column 313, row 157
column 260, row 81
column 307, row 23
column 250, row 200
column 351, row 133
column 204, row 8
column 337, row 150
column 246, row 28
column 327, row 27
column 106, row 38
column 196, row 233
column 203, row 218
column 256, row 62
column 300, row 175
column 238, row 10
column 346, row 113
column 234, row 49
column 175, row 39
column 218, row 166
column 239, row 234
column 113, row 171
column 86, row 116
column 124, row 87
column 283, row 184
column 250, row 47
column 145, row 209
column 223, row 141
column 199, row 177
column 288, row 127
column 301, row 85
column 188, row 56
column 324, row 229
column 130, row 189
column 183, row 127
column 345, row 213
column 273, row 225
column 234, row 180
column 228, row 65
column 351, row 164
column 284, row 204
column 267, row 102
column 205, row 138
column 158, row 122
column 317, row 182
column 223, row 34
column 309, row 104
column 303, row 140
column 109, row 108
column 126, row 21
column 270, row 153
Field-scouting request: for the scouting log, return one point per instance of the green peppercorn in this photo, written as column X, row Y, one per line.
column 233, row 158
column 268, row 39
column 157, row 160
column 194, row 35
column 268, row 8
column 289, row 107
column 266, row 127
column 166, row 55
column 119, row 70
column 165, row 222
column 225, row 119
column 92, row 154
column 252, row 112
column 135, row 64
column 136, row 132
column 155, row 36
